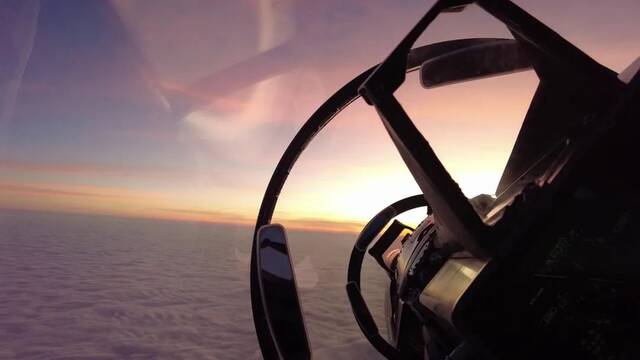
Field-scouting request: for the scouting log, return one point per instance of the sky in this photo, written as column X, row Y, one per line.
column 181, row 110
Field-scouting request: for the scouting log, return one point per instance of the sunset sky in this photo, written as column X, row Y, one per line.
column 181, row 110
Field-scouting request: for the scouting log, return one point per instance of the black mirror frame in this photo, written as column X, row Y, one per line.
column 489, row 58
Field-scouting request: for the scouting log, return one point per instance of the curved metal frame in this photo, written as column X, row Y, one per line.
column 338, row 101
column 360, row 310
column 318, row 120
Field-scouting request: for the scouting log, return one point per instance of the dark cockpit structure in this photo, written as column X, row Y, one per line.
column 546, row 269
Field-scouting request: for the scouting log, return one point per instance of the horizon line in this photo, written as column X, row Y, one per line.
column 297, row 224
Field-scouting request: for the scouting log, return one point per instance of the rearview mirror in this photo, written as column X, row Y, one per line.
column 487, row 59
column 279, row 294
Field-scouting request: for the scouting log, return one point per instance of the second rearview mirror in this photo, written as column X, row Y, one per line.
column 489, row 58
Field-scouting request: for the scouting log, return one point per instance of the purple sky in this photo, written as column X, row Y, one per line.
column 182, row 109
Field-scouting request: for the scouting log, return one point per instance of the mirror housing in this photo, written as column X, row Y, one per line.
column 490, row 58
column 279, row 294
